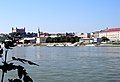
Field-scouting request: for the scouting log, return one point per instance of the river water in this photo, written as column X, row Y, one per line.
column 69, row 64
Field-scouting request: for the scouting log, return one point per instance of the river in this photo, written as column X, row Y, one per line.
column 69, row 64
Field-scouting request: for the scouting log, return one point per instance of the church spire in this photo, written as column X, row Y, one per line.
column 38, row 32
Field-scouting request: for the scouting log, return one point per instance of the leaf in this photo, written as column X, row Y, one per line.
column 1, row 55
column 10, row 80
column 21, row 71
column 8, row 67
column 14, row 80
column 17, row 80
column 31, row 63
column 23, row 61
column 8, row 44
column 1, row 66
column 1, row 51
column 27, row 79
column 18, row 59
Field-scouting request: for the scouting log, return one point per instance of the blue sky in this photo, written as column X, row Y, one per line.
column 59, row 15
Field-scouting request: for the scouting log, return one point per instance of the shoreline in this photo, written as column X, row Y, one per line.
column 87, row 45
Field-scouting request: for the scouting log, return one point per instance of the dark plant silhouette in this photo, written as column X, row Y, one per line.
column 104, row 39
column 8, row 65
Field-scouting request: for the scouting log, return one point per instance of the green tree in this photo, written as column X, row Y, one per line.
column 104, row 39
column 62, row 39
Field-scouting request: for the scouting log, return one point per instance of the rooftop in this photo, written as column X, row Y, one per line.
column 110, row 30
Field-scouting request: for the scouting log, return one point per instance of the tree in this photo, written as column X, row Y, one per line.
column 8, row 65
column 104, row 39
column 63, row 39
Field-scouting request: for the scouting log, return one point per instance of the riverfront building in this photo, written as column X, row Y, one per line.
column 111, row 33
column 41, row 37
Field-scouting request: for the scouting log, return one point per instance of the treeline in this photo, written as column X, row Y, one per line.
column 3, row 37
column 62, row 39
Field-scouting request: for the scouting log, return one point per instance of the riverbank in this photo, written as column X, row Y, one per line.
column 70, row 44
column 76, row 44
column 55, row 44
column 107, row 45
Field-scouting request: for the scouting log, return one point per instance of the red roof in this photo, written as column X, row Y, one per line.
column 110, row 30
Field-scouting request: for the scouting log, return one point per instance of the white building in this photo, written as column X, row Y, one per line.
column 82, row 35
column 111, row 33
column 41, row 38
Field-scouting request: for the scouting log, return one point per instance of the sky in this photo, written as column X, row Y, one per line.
column 55, row 16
